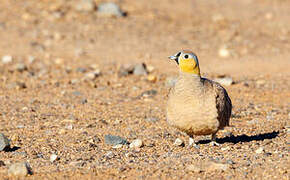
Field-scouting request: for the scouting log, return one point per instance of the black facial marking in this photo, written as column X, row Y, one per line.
column 177, row 56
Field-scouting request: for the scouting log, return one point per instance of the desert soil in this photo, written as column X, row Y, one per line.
column 51, row 105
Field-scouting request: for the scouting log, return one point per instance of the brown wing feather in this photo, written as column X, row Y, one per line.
column 223, row 102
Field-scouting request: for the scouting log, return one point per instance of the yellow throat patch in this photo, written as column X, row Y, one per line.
column 189, row 66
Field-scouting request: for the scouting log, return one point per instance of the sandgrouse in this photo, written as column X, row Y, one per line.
column 196, row 105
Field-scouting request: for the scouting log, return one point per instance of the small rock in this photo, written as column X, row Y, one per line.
column 20, row 67
column 150, row 69
column 85, row 5
column 140, row 69
column 224, row 52
column 151, row 119
column 53, row 158
column 152, row 78
column 4, row 142
column 110, row 9
column 125, row 70
column 170, row 81
column 92, row 75
column 137, row 143
column 225, row 148
column 260, row 150
column 7, row 59
column 114, row 140
column 149, row 93
column 226, row 81
column 19, row 169
column 178, row 142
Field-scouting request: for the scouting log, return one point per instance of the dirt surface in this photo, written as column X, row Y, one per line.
column 51, row 105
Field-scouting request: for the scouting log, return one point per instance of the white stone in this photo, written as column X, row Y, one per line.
column 224, row 52
column 137, row 143
column 53, row 158
column 7, row 59
column 260, row 150
column 178, row 142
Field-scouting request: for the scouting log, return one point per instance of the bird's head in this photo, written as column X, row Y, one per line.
column 187, row 62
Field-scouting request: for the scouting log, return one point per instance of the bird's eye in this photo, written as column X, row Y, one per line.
column 185, row 56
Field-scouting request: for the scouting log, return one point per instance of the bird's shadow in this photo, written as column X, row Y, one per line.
column 11, row 149
column 243, row 138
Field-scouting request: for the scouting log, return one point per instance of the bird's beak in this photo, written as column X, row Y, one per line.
column 173, row 57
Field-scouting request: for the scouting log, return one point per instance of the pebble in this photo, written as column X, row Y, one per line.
column 92, row 75
column 20, row 67
column 53, row 158
column 152, row 78
column 150, row 69
column 170, row 81
column 149, row 93
column 110, row 9
column 225, row 148
column 114, row 140
column 125, row 70
column 4, row 142
column 226, row 81
column 260, row 150
column 178, row 142
column 140, row 69
column 151, row 119
column 224, row 52
column 137, row 143
column 19, row 169
column 85, row 5
column 7, row 59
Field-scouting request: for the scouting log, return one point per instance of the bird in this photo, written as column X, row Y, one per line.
column 196, row 105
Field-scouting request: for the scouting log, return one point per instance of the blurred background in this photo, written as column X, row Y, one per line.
column 223, row 31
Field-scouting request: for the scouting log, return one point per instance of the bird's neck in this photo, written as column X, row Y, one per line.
column 191, row 79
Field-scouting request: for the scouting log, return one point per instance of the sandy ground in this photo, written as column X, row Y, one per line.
column 51, row 106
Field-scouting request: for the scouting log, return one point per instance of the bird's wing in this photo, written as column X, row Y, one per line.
column 223, row 102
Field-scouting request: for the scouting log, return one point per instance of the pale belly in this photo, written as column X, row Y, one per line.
column 193, row 116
